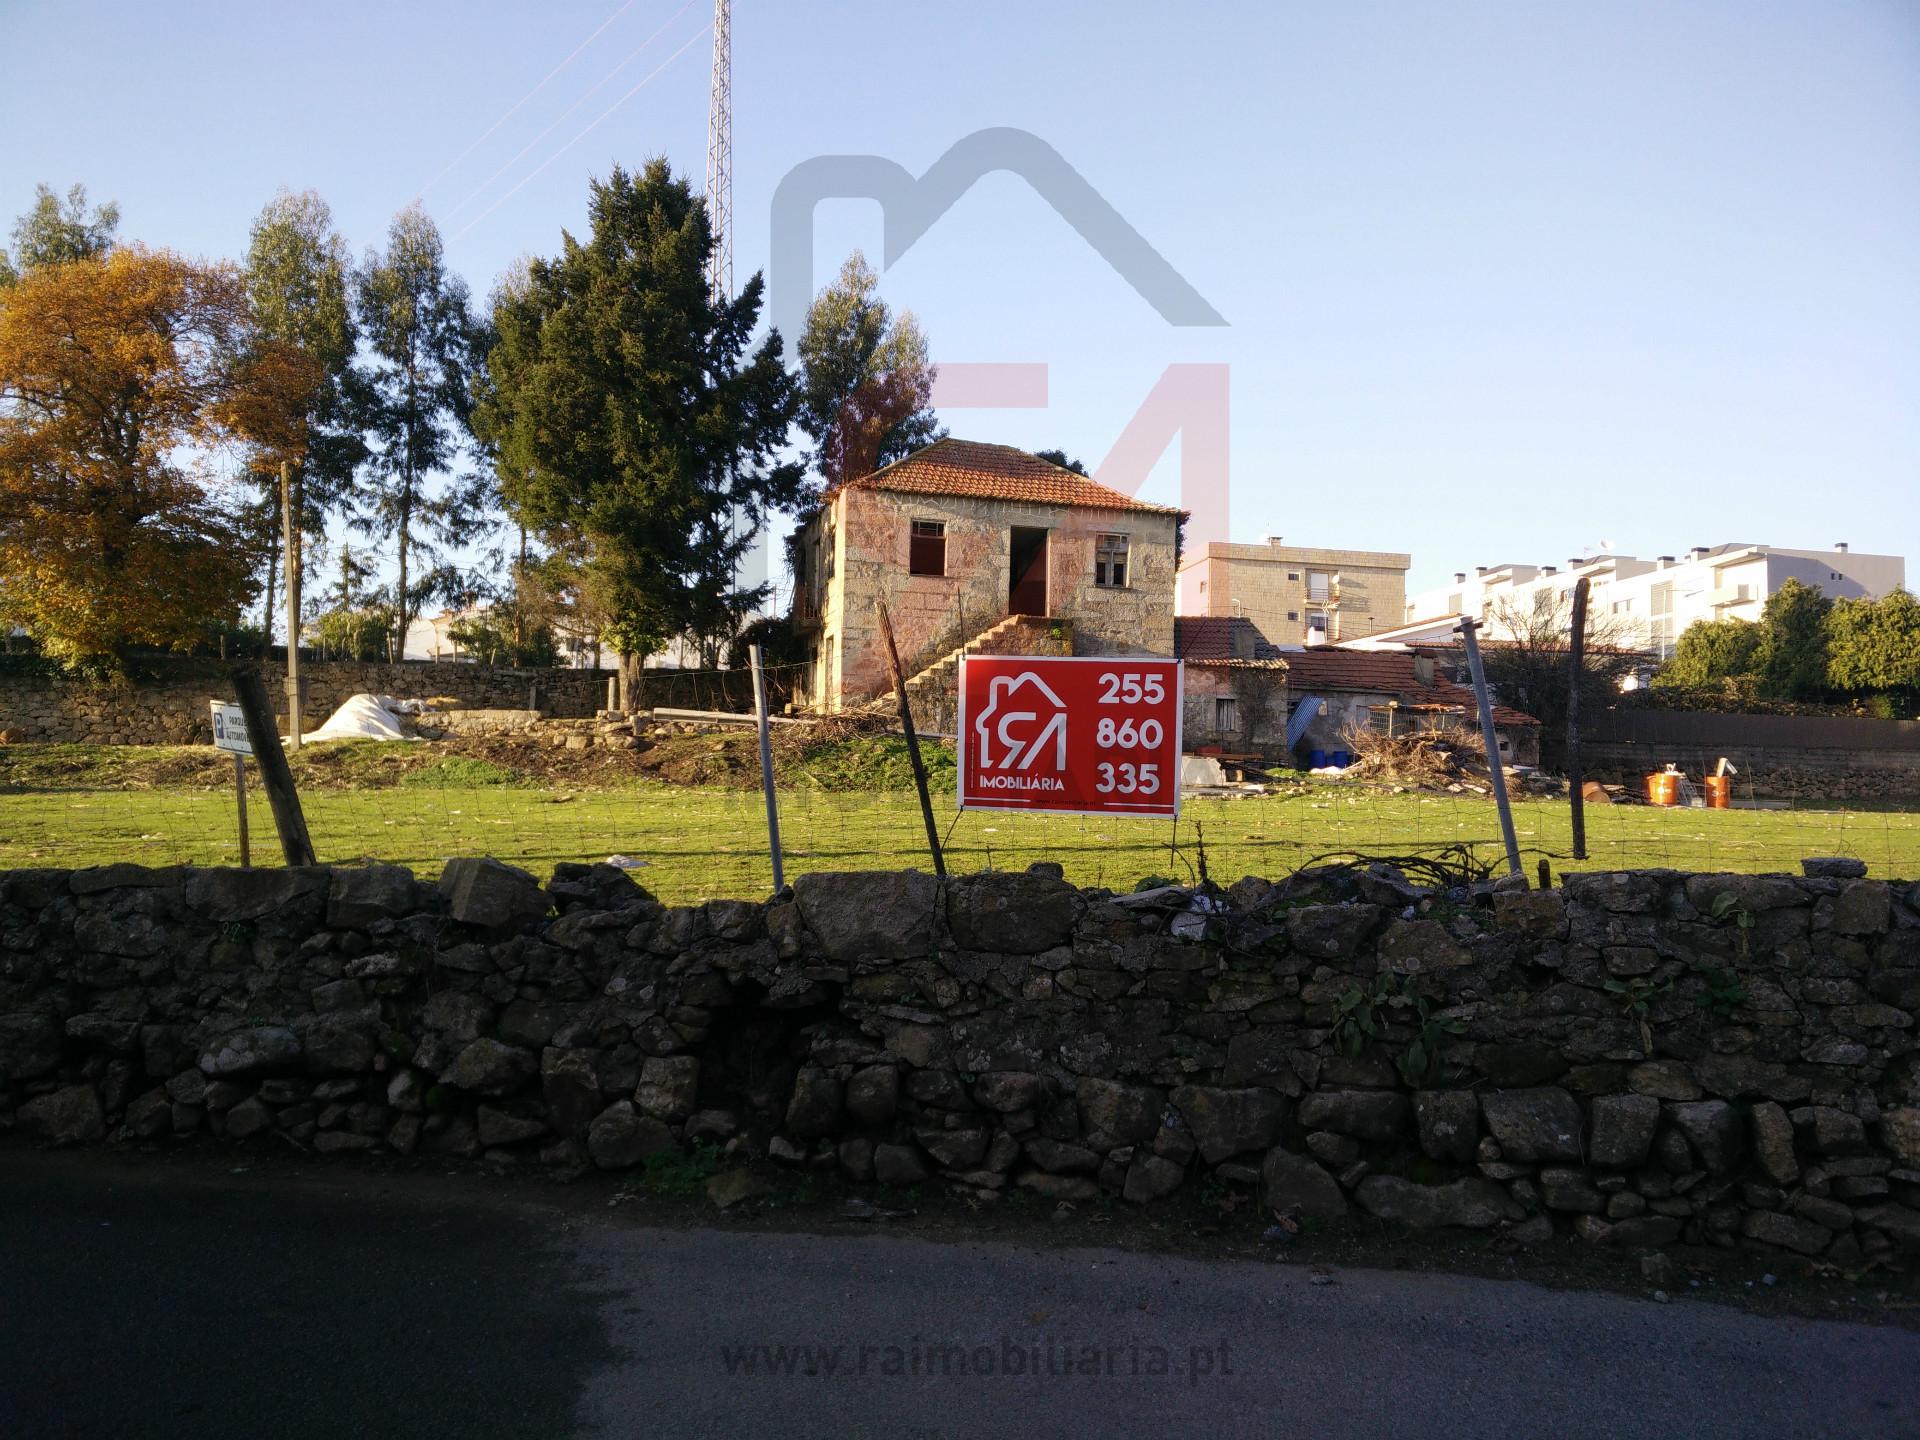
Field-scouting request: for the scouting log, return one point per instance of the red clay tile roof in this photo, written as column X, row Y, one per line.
column 1386, row 672
column 997, row 472
column 1204, row 638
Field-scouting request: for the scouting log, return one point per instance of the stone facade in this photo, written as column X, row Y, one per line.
column 1632, row 1060
column 1283, row 588
column 857, row 554
column 1239, row 706
column 172, row 709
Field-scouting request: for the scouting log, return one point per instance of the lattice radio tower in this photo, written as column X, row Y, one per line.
column 720, row 155
column 720, row 206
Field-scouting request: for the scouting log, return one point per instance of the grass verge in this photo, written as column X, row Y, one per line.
column 709, row 841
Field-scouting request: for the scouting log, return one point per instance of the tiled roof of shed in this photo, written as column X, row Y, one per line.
column 1203, row 638
column 997, row 472
column 1385, row 672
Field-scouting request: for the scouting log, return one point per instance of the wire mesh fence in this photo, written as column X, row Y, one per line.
column 690, row 842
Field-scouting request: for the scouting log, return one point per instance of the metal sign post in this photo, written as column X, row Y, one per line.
column 230, row 734
column 1491, row 738
column 766, row 766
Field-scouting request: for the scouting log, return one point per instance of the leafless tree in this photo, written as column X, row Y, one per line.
column 1526, row 656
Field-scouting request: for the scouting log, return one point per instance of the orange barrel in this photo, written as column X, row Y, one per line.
column 1663, row 789
column 1719, row 792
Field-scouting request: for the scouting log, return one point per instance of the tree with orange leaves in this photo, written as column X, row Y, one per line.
column 116, row 380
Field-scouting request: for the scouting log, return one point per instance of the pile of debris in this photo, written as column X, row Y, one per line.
column 1447, row 757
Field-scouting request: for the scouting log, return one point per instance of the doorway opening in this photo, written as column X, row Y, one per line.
column 1027, row 556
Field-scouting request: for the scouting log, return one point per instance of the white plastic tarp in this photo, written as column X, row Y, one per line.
column 1197, row 771
column 366, row 717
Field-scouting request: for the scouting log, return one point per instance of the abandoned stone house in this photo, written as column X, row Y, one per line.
column 980, row 549
column 1236, row 685
column 1391, row 690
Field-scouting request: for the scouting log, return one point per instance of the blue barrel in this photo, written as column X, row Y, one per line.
column 1342, row 758
column 1316, row 759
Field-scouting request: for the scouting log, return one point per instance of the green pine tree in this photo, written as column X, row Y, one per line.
column 632, row 419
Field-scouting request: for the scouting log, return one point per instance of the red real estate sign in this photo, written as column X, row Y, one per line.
column 1098, row 735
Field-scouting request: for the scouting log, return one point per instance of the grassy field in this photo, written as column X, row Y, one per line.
column 701, row 841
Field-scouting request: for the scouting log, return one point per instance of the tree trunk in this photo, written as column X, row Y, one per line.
column 632, row 682
column 520, row 602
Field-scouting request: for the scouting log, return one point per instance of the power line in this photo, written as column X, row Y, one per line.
column 481, row 139
column 692, row 40
column 598, row 85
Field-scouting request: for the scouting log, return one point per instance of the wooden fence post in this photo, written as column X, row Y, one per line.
column 913, row 741
column 264, row 735
column 1576, row 663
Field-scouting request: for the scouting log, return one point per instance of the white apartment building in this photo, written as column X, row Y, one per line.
column 1652, row 601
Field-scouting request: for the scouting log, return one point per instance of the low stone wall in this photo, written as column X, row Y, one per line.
column 172, row 708
column 1636, row 1059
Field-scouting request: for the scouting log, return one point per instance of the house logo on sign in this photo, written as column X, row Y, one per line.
column 1022, row 717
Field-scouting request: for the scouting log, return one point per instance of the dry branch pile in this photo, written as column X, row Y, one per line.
column 1447, row 754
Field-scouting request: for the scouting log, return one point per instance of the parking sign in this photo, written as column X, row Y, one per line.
column 230, row 729
column 1086, row 735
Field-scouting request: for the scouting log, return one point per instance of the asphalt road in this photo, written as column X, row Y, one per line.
column 216, row 1305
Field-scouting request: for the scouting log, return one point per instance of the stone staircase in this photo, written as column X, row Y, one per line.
column 934, row 691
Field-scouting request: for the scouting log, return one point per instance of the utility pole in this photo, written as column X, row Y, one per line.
column 290, row 523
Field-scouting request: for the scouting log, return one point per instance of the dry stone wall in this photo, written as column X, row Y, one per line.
column 171, row 708
column 1634, row 1060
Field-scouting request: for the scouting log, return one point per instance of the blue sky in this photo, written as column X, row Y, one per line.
column 1502, row 280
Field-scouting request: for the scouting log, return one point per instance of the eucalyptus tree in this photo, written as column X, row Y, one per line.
column 419, row 340
column 298, row 279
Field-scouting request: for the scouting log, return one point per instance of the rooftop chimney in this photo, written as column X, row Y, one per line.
column 1460, row 576
column 1549, row 570
column 1575, row 562
column 1841, row 546
column 1698, row 552
column 1665, row 561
